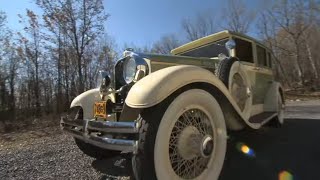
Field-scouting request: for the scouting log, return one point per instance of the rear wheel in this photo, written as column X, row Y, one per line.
column 187, row 140
column 281, row 107
column 278, row 121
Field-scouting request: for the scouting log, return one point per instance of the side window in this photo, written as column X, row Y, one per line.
column 244, row 50
column 262, row 56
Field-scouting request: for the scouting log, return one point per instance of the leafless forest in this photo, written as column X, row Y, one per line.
column 58, row 53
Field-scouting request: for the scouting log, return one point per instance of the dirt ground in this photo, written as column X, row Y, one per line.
column 47, row 153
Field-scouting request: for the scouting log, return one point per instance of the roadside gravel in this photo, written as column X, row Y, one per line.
column 47, row 153
column 55, row 156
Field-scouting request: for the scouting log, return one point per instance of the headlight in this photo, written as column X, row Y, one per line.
column 129, row 69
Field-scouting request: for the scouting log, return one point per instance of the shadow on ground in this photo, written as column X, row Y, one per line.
column 294, row 148
column 114, row 168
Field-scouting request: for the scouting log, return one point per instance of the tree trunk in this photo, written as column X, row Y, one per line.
column 12, row 89
column 2, row 94
column 311, row 61
column 66, row 78
column 59, row 94
column 36, row 89
column 298, row 62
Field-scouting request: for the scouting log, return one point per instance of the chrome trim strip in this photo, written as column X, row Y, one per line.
column 113, row 127
column 104, row 142
column 76, row 122
column 269, row 118
column 84, row 134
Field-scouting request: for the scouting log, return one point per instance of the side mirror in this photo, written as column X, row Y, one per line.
column 230, row 45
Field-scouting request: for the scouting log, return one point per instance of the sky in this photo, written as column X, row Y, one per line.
column 139, row 22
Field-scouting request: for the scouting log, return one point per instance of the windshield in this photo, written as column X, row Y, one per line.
column 209, row 50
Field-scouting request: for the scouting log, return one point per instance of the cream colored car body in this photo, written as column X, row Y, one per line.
column 157, row 86
column 169, row 73
column 87, row 99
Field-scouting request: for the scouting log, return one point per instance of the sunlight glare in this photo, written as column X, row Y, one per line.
column 245, row 149
column 285, row 175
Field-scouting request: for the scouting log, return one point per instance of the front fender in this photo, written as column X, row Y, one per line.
column 157, row 86
column 86, row 101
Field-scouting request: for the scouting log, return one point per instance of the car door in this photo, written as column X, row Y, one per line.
column 245, row 52
column 263, row 76
column 254, row 60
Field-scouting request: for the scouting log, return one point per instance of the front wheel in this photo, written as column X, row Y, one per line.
column 187, row 140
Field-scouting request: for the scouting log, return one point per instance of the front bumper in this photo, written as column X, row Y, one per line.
column 101, row 133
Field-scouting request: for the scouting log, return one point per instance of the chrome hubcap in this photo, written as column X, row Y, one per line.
column 191, row 144
column 207, row 146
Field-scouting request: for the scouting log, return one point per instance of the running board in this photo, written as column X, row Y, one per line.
column 262, row 118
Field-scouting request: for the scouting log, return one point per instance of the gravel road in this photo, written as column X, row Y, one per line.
column 50, row 154
column 56, row 157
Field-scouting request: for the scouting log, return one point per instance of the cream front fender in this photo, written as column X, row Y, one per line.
column 86, row 101
column 157, row 86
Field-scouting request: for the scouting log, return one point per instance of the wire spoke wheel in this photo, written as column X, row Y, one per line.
column 191, row 144
column 182, row 138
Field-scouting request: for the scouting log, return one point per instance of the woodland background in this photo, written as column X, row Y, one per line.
column 59, row 52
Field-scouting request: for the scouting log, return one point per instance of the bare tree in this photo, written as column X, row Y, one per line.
column 292, row 21
column 82, row 22
column 202, row 25
column 3, row 92
column 144, row 49
column 237, row 16
column 5, row 34
column 30, row 51
column 3, row 19
column 268, row 31
column 166, row 44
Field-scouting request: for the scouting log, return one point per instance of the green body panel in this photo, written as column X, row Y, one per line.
column 260, row 82
column 263, row 82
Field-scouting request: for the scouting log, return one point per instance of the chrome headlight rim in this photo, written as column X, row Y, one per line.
column 129, row 69
column 140, row 64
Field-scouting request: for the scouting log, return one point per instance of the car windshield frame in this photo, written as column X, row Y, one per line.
column 206, row 51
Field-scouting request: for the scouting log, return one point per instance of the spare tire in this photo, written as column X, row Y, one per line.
column 233, row 75
column 223, row 70
column 236, row 80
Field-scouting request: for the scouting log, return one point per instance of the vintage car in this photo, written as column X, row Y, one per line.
column 173, row 112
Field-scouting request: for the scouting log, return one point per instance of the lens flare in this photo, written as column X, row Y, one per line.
column 245, row 149
column 285, row 175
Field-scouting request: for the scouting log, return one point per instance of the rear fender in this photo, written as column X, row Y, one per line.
column 271, row 99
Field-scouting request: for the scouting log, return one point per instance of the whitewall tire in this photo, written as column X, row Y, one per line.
column 189, row 142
